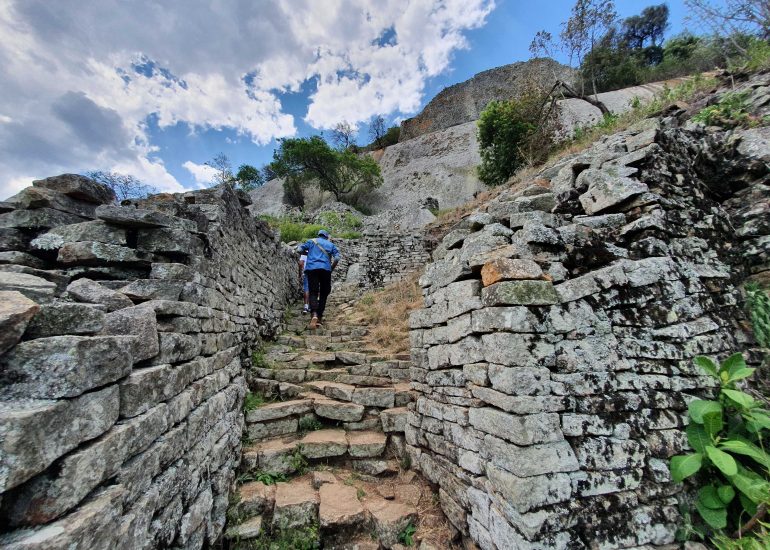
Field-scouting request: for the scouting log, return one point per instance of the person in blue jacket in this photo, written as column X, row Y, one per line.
column 322, row 258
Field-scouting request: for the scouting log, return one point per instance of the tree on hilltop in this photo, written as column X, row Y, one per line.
column 377, row 130
column 343, row 135
column 311, row 161
column 247, row 178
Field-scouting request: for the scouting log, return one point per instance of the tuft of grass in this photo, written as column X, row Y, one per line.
column 258, row 360
column 360, row 493
column 298, row 462
column 283, row 538
column 405, row 537
column 309, row 424
column 731, row 111
column 387, row 311
column 253, row 401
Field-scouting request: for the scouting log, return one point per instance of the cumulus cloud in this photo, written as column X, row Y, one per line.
column 81, row 81
column 202, row 173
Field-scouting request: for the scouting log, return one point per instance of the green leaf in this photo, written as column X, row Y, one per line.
column 746, row 448
column 717, row 519
column 740, row 374
column 748, row 505
column 751, row 485
column 712, row 423
column 743, row 400
column 709, row 497
column 699, row 407
column 733, row 364
column 760, row 419
column 722, row 460
column 698, row 437
column 683, row 466
column 707, row 365
column 726, row 494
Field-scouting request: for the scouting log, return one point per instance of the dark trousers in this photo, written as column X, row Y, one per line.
column 320, row 282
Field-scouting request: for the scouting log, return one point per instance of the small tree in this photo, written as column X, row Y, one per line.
column 306, row 161
column 224, row 171
column 343, row 135
column 377, row 130
column 125, row 186
column 733, row 17
column 249, row 178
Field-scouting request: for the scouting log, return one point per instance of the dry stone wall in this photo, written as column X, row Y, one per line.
column 123, row 334
column 553, row 356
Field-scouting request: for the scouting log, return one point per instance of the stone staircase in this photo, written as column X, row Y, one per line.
column 326, row 460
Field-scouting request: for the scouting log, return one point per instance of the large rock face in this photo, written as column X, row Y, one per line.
column 552, row 398
column 121, row 382
column 464, row 102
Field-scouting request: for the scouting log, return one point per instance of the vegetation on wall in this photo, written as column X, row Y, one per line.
column 727, row 437
column 294, row 228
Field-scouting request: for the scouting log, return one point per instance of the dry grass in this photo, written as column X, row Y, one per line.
column 386, row 312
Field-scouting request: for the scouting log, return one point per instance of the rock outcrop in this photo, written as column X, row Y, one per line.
column 554, row 352
column 121, row 382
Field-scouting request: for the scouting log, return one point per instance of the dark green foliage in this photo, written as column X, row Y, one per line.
column 282, row 538
column 758, row 304
column 726, row 436
column 514, row 133
column 253, row 401
column 311, row 161
column 731, row 111
column 405, row 537
column 249, row 178
column 293, row 229
column 309, row 424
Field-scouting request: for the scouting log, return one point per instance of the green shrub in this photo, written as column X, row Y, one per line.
column 731, row 111
column 298, row 462
column 309, row 424
column 253, row 401
column 406, row 535
column 514, row 133
column 758, row 304
column 258, row 360
column 726, row 436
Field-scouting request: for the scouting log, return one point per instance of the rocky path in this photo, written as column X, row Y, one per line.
column 323, row 457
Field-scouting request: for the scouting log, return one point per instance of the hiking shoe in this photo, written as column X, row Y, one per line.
column 314, row 322
column 305, row 309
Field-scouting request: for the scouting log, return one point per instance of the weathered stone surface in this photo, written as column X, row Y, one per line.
column 606, row 190
column 519, row 293
column 170, row 272
column 336, row 410
column 40, row 218
column 394, row 420
column 143, row 290
column 79, row 187
column 526, row 493
column 506, row 269
column 34, row 288
column 366, row 444
column 141, row 218
column 296, row 504
column 390, row 519
column 95, row 253
column 521, row 430
column 340, row 507
column 175, row 348
column 279, row 410
column 254, row 498
column 12, row 239
column 375, row 397
column 169, row 240
column 32, row 197
column 63, row 366
column 140, row 325
column 94, row 231
column 37, row 432
column 324, row 443
column 21, row 258
column 16, row 310
column 249, row 529
column 61, row 318
column 534, row 460
column 91, row 292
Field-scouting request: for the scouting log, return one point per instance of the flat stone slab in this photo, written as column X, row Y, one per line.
column 338, row 390
column 394, row 420
column 16, row 310
column 324, row 443
column 274, row 411
column 255, row 498
column 506, row 269
column 390, row 518
column 366, row 444
column 270, row 456
column 340, row 506
column 249, row 529
column 375, row 397
column 296, row 504
column 337, row 410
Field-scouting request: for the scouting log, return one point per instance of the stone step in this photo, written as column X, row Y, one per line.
column 296, row 504
column 394, row 420
column 275, row 411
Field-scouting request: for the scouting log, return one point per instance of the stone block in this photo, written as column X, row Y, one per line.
column 94, row 231
column 141, row 218
column 340, row 508
column 278, row 410
column 170, row 272
column 78, row 187
column 16, row 310
column 527, row 493
column 296, row 504
column 506, row 269
column 61, row 318
column 21, row 258
column 32, row 198
column 366, row 444
column 13, row 239
column 63, row 366
column 273, row 428
column 510, row 349
column 606, row 191
column 521, row 430
column 176, row 348
column 394, row 420
column 169, row 241
column 375, row 397
column 143, row 290
column 547, row 458
column 324, row 443
column 519, row 293
column 40, row 218
column 138, row 323
column 520, row 380
column 37, row 432
column 95, row 253
column 91, row 292
column 33, row 287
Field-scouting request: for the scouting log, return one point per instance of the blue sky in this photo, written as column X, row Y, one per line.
column 157, row 89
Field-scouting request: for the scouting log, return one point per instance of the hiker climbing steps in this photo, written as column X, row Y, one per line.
column 323, row 449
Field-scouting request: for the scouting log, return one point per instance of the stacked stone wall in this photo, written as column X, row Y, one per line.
column 553, row 356
column 388, row 257
column 121, row 385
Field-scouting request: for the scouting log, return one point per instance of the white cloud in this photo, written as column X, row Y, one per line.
column 82, row 79
column 202, row 173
